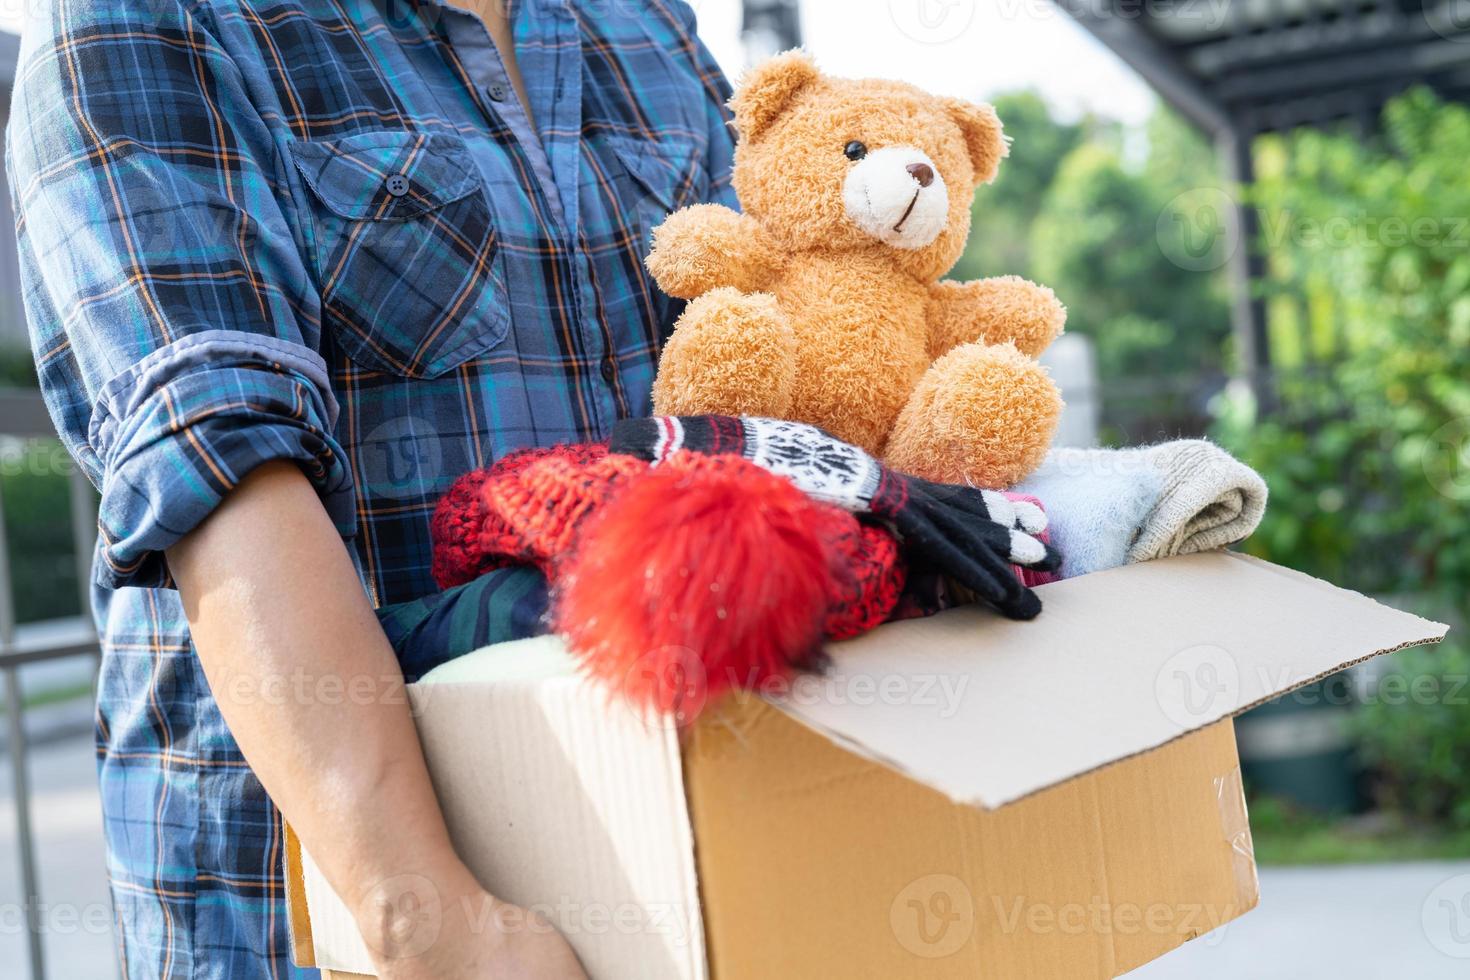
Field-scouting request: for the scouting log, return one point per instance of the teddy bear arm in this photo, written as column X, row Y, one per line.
column 1006, row 309
column 707, row 247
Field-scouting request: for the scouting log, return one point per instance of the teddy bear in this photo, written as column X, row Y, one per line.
column 823, row 301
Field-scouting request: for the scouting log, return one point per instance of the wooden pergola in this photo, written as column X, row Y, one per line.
column 1238, row 68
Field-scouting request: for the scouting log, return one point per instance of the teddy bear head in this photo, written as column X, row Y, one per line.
column 848, row 164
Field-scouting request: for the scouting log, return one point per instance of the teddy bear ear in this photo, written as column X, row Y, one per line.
column 767, row 89
column 983, row 136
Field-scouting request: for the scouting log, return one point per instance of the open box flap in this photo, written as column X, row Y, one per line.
column 987, row 710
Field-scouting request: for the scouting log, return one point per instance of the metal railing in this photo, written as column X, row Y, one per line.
column 23, row 416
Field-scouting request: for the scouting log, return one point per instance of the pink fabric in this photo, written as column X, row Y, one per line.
column 1030, row 577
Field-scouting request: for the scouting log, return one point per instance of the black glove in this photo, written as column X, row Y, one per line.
column 973, row 536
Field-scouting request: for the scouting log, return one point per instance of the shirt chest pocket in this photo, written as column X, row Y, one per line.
column 404, row 250
column 657, row 181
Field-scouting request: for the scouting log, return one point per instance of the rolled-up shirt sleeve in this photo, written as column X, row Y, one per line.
column 174, row 323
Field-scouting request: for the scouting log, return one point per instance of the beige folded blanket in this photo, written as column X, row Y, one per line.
column 1209, row 499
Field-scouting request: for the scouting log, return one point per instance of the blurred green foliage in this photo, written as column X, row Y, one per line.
column 1283, row 834
column 37, row 511
column 38, row 527
column 1366, row 442
column 1418, row 740
column 1367, row 445
column 1367, row 450
column 17, row 368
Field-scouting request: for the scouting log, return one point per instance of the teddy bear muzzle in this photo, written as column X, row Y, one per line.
column 898, row 196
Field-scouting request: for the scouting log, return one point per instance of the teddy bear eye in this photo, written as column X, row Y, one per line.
column 855, row 150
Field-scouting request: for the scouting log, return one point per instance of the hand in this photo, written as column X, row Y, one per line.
column 418, row 933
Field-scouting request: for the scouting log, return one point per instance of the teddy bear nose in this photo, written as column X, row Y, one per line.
column 922, row 172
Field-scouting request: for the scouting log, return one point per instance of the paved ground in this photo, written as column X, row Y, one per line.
column 1393, row 922
column 1384, row 922
column 78, row 917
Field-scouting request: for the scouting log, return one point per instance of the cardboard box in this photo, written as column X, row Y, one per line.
column 958, row 797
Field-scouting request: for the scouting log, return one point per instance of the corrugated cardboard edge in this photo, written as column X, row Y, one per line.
column 303, row 950
column 1439, row 630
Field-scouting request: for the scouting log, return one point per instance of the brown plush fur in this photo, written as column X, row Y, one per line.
column 800, row 313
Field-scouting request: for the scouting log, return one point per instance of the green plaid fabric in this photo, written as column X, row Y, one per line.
column 321, row 231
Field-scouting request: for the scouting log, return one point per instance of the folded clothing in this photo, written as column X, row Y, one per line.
column 1109, row 507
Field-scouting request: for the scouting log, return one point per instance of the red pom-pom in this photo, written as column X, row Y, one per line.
column 703, row 574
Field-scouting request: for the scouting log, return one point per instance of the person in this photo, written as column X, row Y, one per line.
column 290, row 268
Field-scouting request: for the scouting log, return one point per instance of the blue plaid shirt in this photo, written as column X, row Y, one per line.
column 322, row 231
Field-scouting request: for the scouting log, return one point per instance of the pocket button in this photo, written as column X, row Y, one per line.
column 397, row 185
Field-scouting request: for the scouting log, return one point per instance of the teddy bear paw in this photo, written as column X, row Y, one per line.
column 731, row 353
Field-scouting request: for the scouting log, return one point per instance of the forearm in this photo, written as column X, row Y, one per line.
column 308, row 684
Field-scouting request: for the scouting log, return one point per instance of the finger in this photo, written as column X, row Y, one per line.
column 984, row 572
column 968, row 532
column 1029, row 517
column 1026, row 550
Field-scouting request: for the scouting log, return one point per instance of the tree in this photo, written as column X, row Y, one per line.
column 1097, row 241
column 1003, row 211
